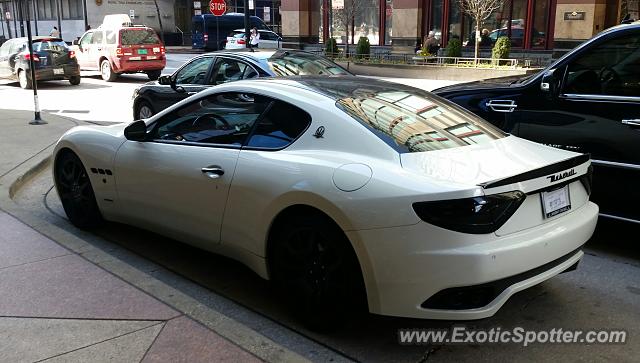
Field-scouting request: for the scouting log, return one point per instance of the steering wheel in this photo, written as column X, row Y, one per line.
column 210, row 118
column 608, row 75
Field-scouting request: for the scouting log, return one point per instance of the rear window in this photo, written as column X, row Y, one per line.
column 138, row 36
column 284, row 63
column 46, row 45
column 415, row 121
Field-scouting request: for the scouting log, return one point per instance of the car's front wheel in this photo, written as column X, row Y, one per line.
column 153, row 75
column 75, row 191
column 144, row 110
column 316, row 270
column 24, row 79
column 107, row 72
column 74, row 80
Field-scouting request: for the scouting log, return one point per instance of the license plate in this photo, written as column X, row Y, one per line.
column 142, row 51
column 58, row 71
column 556, row 201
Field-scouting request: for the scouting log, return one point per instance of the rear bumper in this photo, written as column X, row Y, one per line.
column 404, row 267
column 49, row 73
column 134, row 66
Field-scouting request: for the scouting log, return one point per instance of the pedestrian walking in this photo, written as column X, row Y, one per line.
column 55, row 33
column 254, row 42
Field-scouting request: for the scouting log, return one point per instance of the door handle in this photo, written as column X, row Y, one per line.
column 632, row 122
column 502, row 105
column 213, row 172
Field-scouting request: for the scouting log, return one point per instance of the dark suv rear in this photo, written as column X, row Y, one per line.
column 52, row 58
column 135, row 49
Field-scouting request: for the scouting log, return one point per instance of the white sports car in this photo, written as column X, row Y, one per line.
column 341, row 190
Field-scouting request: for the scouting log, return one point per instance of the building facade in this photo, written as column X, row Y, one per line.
column 530, row 24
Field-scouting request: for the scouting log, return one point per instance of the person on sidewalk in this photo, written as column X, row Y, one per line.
column 55, row 33
column 431, row 43
column 255, row 38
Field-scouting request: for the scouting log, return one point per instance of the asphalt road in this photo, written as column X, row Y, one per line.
column 603, row 294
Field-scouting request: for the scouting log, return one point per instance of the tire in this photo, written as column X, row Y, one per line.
column 74, row 80
column 24, row 79
column 153, row 75
column 316, row 271
column 76, row 193
column 107, row 72
column 144, row 110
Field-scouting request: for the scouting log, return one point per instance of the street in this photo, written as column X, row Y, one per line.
column 602, row 294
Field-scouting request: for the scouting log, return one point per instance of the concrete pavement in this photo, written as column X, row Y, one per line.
column 65, row 300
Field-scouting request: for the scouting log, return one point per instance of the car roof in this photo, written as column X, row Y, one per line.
column 256, row 54
column 338, row 87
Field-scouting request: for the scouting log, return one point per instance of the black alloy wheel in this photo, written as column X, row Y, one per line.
column 317, row 272
column 75, row 191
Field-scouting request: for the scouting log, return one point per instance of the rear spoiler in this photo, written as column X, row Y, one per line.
column 539, row 173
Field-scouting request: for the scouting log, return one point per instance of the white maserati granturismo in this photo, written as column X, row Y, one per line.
column 342, row 191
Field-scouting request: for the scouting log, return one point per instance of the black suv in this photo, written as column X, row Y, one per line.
column 588, row 101
column 52, row 58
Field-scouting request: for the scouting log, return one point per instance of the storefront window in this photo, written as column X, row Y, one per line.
column 518, row 23
column 455, row 26
column 436, row 18
column 496, row 26
column 388, row 22
column 366, row 22
column 540, row 20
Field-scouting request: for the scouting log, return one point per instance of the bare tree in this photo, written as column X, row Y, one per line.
column 346, row 17
column 479, row 10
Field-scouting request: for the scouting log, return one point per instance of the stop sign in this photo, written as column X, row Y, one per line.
column 217, row 7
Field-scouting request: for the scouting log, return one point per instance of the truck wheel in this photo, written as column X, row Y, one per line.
column 107, row 72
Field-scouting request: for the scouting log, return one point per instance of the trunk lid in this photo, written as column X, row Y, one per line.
column 510, row 164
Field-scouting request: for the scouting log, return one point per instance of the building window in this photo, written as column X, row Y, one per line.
column 388, row 26
column 366, row 23
column 436, row 19
column 71, row 9
column 540, row 24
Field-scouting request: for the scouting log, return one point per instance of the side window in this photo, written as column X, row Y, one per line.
column 225, row 118
column 228, row 70
column 611, row 68
column 86, row 40
column 4, row 50
column 280, row 126
column 249, row 73
column 97, row 37
column 111, row 36
column 194, row 72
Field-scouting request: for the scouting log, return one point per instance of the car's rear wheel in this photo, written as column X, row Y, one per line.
column 153, row 75
column 74, row 80
column 75, row 191
column 144, row 110
column 107, row 72
column 316, row 270
column 24, row 79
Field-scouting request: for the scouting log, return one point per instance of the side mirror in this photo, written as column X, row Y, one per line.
column 136, row 131
column 165, row 80
column 75, row 41
column 550, row 83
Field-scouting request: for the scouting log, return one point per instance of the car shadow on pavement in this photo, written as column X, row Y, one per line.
column 61, row 85
column 124, row 78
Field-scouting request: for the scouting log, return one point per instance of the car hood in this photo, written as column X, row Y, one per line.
column 482, row 164
column 493, row 83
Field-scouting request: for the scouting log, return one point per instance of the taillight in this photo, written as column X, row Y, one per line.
column 476, row 215
column 206, row 38
column 118, row 52
column 27, row 56
column 163, row 51
column 241, row 41
column 72, row 54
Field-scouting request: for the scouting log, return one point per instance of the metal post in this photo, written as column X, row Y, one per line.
column 15, row 17
column 36, row 105
column 84, row 12
column 59, row 15
column 247, row 33
column 20, row 5
column 35, row 15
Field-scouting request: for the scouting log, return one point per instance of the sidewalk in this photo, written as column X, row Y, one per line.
column 58, row 303
column 182, row 49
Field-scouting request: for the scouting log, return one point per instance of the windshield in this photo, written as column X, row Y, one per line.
column 50, row 45
column 138, row 36
column 416, row 121
column 284, row 63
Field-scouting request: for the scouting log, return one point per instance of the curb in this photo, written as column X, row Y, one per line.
column 232, row 330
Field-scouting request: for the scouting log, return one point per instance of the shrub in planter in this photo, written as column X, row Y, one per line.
column 363, row 48
column 501, row 49
column 331, row 48
column 454, row 48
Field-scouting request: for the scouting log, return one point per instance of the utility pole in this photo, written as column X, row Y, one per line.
column 36, row 105
column 247, row 31
column 59, row 13
column 35, row 15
